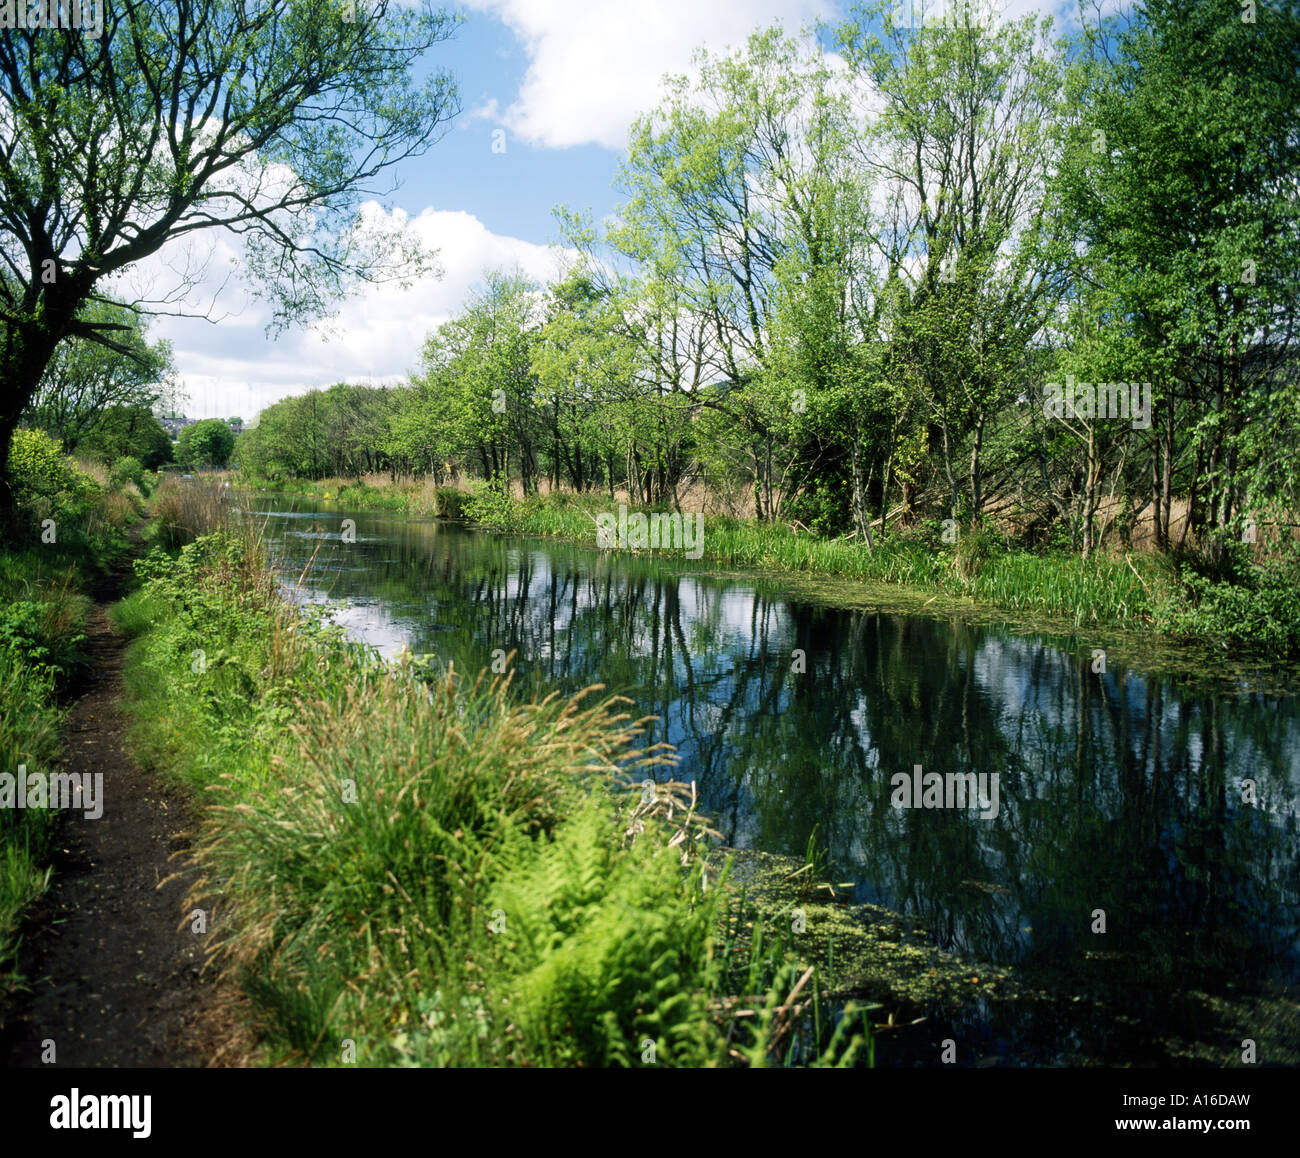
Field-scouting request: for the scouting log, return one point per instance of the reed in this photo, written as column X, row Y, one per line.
column 184, row 509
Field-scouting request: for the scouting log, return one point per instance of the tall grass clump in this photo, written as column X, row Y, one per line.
column 186, row 509
column 29, row 728
column 430, row 868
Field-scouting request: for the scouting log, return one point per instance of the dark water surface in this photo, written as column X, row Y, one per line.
column 1119, row 791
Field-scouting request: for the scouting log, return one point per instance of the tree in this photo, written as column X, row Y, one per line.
column 476, row 396
column 1184, row 190
column 128, row 431
column 968, row 135
column 729, row 177
column 205, row 444
column 266, row 119
column 85, row 379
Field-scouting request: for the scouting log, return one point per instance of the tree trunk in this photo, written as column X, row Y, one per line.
column 861, row 516
column 977, row 472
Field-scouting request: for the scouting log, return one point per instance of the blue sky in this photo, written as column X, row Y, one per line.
column 563, row 81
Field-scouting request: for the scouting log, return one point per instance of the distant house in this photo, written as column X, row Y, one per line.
column 175, row 424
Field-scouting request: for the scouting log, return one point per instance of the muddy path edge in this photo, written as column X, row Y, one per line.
column 112, row 972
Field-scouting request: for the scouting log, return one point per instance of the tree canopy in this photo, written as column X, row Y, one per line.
column 269, row 120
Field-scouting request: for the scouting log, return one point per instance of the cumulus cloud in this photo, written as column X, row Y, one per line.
column 234, row 368
column 595, row 65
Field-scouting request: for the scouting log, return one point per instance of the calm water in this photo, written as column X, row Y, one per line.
column 1118, row 791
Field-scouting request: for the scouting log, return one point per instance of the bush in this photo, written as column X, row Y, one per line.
column 127, row 469
column 450, row 503
column 45, row 481
column 1263, row 610
column 492, row 506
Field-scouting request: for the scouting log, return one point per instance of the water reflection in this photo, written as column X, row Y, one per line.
column 1118, row 792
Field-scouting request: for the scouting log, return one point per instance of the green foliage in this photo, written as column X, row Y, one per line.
column 33, row 632
column 127, row 432
column 778, row 323
column 342, row 431
column 135, row 614
column 28, row 738
column 205, row 444
column 493, row 507
column 606, row 949
column 98, row 401
column 44, row 478
column 59, row 506
column 42, row 629
column 128, row 469
column 1262, row 609
column 322, row 96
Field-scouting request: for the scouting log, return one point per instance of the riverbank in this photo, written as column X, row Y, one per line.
column 414, row 869
column 1255, row 610
column 1079, row 1005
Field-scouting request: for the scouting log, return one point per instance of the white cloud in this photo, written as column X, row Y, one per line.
column 233, row 368
column 595, row 65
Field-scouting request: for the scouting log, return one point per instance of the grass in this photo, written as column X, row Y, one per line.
column 979, row 566
column 1124, row 590
column 29, row 731
column 423, row 497
column 184, row 509
column 414, row 867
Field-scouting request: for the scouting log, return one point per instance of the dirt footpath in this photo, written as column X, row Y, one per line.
column 113, row 973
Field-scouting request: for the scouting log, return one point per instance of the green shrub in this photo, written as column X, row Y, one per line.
column 127, row 469
column 450, row 503
column 45, row 481
column 1263, row 610
column 492, row 506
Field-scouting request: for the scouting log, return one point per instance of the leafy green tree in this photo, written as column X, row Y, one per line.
column 969, row 132
column 128, row 431
column 205, row 444
column 270, row 120
column 728, row 178
column 476, row 397
column 1182, row 188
